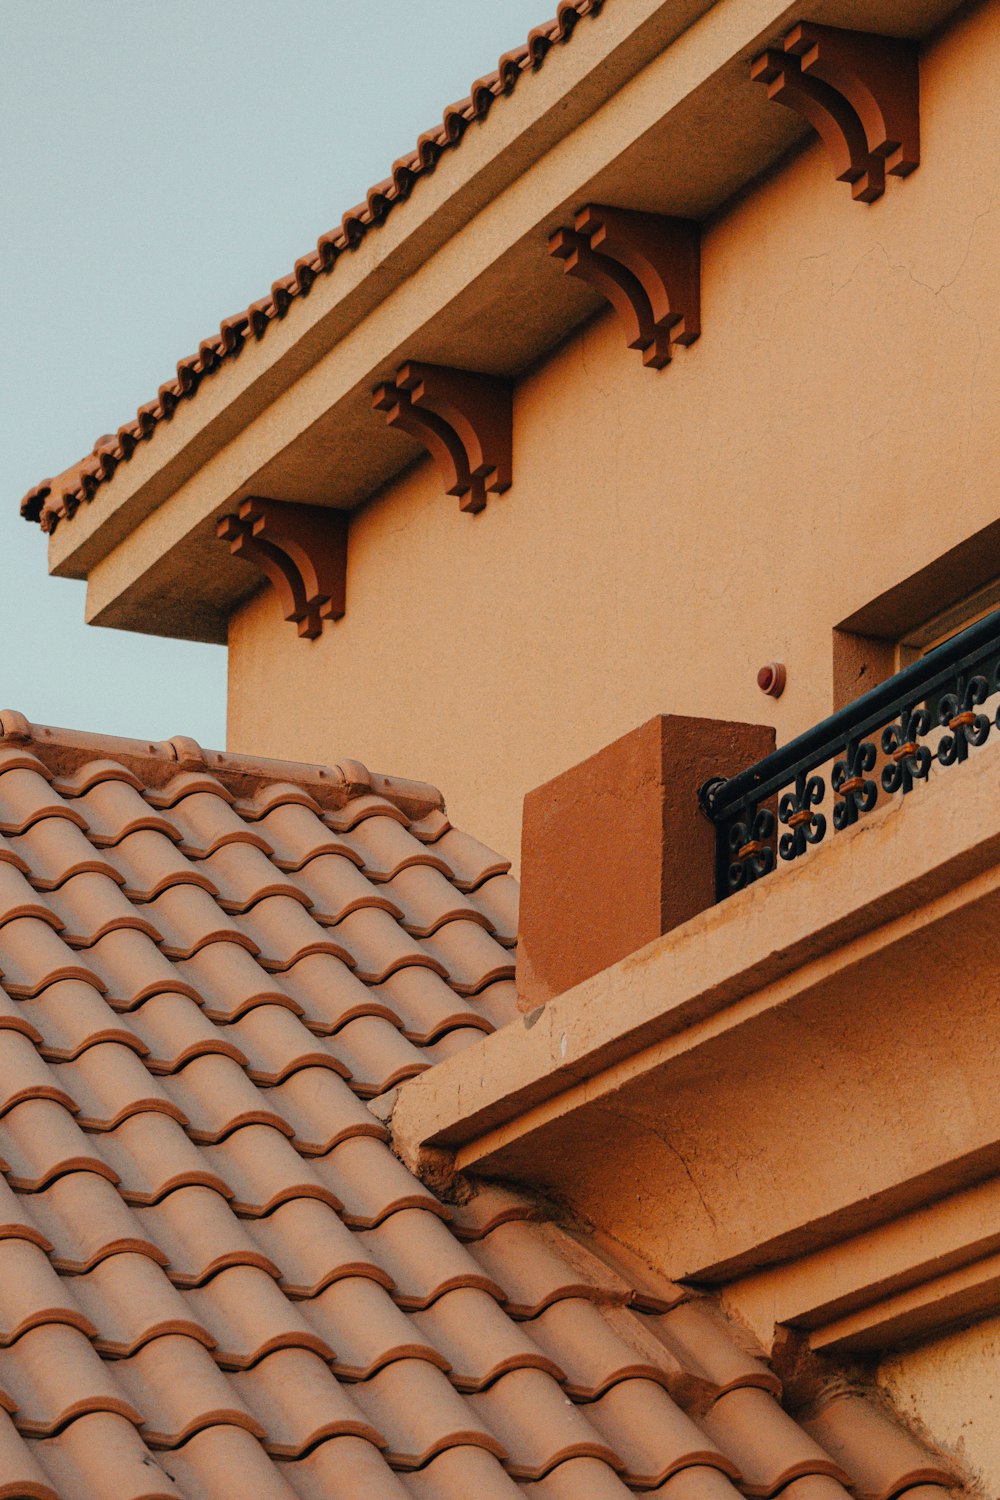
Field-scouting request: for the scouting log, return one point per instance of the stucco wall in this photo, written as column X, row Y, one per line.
column 666, row 533
column 951, row 1389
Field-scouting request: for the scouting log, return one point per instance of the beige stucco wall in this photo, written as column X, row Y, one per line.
column 950, row 1388
column 666, row 533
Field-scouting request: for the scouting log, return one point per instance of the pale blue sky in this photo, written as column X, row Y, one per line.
column 162, row 164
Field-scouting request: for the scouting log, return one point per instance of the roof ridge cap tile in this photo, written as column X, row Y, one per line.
column 52, row 499
column 68, row 758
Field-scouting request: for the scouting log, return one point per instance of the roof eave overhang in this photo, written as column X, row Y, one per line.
column 637, row 113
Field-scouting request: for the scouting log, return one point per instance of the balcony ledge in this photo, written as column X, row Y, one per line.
column 790, row 1070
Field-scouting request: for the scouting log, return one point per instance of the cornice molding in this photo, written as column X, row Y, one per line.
column 300, row 549
column 463, row 419
column 648, row 266
column 911, row 1277
column 859, row 90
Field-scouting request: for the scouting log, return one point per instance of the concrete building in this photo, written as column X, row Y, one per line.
column 630, row 428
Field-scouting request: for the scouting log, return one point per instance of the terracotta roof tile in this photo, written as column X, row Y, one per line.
column 343, row 1468
column 22, row 1478
column 494, row 1203
column 296, row 835
column 299, row 1403
column 426, row 1006
column 84, row 1220
column 32, row 1294
column 112, row 810
column 40, row 1141
column 198, row 1236
column 54, row 1374
column 313, row 1248
column 335, row 887
column 538, row 1428
column 699, row 1483
column 129, row 1300
column 23, row 1075
column 479, row 1341
column 580, row 1476
column 180, row 1389
column 882, row 1458
column 228, row 982
column 771, row 1449
column 704, row 1345
column 147, row 863
column 170, row 1030
column 469, row 956
column 653, row 1437
column 599, row 1347
column 101, row 1456
column 54, row 850
column 366, row 1328
column 32, row 957
column 537, row 1265
column 424, row 1259
column 128, row 967
column 19, row 903
column 205, row 1465
column 459, row 1473
column 260, row 1170
column 819, row 1487
column 211, row 1263
column 416, row 1407
column 321, row 1111
column 377, row 1055
column 68, row 1017
column 451, row 1043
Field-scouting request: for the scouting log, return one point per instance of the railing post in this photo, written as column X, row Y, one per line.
column 614, row 852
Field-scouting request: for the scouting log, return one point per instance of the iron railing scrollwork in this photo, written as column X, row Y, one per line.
column 932, row 713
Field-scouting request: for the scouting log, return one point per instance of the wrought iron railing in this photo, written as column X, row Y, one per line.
column 881, row 745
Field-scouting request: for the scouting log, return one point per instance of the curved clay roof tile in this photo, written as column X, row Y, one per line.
column 54, row 499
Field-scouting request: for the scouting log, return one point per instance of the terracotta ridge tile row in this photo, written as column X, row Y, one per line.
column 52, row 499
column 78, row 760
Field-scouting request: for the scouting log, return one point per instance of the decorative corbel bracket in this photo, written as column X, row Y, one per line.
column 648, row 266
column 300, row 549
column 464, row 420
column 860, row 91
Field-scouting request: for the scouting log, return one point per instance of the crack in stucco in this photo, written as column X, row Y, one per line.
column 660, row 1135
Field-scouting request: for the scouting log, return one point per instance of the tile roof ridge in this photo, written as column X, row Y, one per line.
column 52, row 499
column 249, row 779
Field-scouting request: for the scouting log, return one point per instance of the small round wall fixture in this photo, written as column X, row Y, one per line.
column 771, row 679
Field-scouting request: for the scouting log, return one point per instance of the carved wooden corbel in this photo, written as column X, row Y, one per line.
column 648, row 266
column 300, row 549
column 860, row 91
column 464, row 420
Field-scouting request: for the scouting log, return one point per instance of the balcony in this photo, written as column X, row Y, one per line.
column 905, row 731
column 773, row 1094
